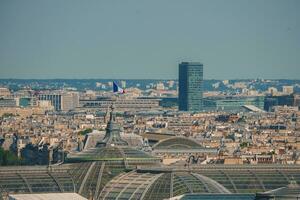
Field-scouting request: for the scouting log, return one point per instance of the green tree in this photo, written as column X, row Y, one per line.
column 8, row 158
column 244, row 144
column 7, row 115
column 86, row 131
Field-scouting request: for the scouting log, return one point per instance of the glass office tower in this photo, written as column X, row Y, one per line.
column 190, row 86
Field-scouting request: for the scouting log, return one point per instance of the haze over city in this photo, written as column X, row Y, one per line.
column 147, row 39
column 149, row 100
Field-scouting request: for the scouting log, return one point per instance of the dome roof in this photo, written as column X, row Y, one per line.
column 112, row 136
column 165, row 183
column 151, row 185
column 112, row 148
column 178, row 143
column 112, row 153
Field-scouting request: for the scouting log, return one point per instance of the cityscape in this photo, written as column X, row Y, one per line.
column 184, row 137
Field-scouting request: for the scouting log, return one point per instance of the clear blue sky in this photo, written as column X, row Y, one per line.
column 148, row 38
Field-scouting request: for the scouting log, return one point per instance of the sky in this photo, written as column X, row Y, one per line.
column 142, row 39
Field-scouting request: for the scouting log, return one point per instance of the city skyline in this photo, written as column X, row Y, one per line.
column 147, row 40
column 140, row 99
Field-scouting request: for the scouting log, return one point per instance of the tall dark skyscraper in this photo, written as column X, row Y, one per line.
column 190, row 86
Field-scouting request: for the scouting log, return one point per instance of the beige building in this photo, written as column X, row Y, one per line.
column 272, row 90
column 160, row 86
column 288, row 89
column 4, row 92
column 45, row 104
column 70, row 101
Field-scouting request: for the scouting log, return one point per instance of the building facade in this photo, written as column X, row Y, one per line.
column 190, row 86
column 4, row 92
column 121, row 104
column 8, row 102
column 70, row 101
column 287, row 89
column 56, row 100
column 61, row 101
column 232, row 103
column 283, row 100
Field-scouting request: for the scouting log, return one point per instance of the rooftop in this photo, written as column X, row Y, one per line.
column 163, row 183
column 46, row 196
column 112, row 148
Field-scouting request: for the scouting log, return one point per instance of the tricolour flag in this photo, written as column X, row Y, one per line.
column 117, row 89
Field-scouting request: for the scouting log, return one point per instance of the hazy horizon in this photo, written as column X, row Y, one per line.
column 134, row 39
column 120, row 79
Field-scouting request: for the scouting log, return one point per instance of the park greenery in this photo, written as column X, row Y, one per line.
column 86, row 131
column 8, row 158
column 7, row 115
column 244, row 145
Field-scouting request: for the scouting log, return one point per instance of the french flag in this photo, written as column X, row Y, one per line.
column 117, row 89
